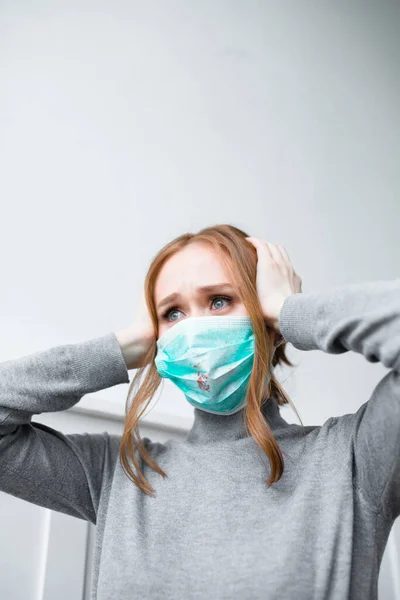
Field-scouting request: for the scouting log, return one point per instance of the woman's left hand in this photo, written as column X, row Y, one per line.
column 276, row 279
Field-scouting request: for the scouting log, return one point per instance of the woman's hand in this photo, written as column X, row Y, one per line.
column 276, row 279
column 136, row 339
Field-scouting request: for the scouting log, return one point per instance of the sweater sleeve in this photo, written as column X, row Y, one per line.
column 39, row 464
column 364, row 318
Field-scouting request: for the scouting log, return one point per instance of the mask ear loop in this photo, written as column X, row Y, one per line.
column 281, row 341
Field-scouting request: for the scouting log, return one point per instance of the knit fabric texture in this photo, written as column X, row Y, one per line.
column 214, row 530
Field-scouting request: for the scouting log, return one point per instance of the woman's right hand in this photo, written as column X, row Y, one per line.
column 138, row 337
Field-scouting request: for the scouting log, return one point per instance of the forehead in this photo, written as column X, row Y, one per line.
column 195, row 265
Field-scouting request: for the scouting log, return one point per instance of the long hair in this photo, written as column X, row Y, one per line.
column 240, row 260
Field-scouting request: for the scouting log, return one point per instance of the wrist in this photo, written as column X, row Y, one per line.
column 134, row 345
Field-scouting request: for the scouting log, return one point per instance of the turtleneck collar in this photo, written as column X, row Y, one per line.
column 208, row 427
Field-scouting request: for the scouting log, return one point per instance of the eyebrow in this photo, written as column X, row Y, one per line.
column 205, row 289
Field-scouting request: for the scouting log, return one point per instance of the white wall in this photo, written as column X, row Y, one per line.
column 124, row 124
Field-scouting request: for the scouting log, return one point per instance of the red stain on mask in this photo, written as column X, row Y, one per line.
column 202, row 382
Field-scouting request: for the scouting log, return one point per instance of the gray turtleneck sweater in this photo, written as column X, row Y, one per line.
column 214, row 529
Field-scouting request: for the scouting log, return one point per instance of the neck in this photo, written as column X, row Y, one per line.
column 208, row 428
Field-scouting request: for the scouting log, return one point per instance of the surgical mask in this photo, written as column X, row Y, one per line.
column 210, row 359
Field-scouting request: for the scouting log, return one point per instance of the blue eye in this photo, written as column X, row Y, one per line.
column 172, row 311
column 221, row 298
column 166, row 314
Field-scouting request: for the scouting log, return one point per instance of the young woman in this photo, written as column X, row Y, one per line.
column 248, row 506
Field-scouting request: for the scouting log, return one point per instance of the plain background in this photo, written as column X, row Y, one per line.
column 125, row 124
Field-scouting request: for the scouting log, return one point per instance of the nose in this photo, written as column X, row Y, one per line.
column 199, row 312
column 199, row 308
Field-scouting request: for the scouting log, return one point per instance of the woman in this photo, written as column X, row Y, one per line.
column 248, row 506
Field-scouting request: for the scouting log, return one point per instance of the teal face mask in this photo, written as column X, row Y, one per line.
column 210, row 359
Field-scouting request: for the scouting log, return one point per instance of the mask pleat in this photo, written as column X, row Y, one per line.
column 210, row 360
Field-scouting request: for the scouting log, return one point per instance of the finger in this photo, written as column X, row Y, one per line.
column 267, row 252
column 285, row 256
column 263, row 252
column 275, row 253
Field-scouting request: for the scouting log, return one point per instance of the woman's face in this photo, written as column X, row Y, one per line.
column 179, row 294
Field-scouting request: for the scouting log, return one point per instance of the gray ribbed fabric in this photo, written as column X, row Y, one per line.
column 214, row 529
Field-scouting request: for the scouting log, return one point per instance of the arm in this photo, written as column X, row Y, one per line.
column 65, row 473
column 363, row 318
